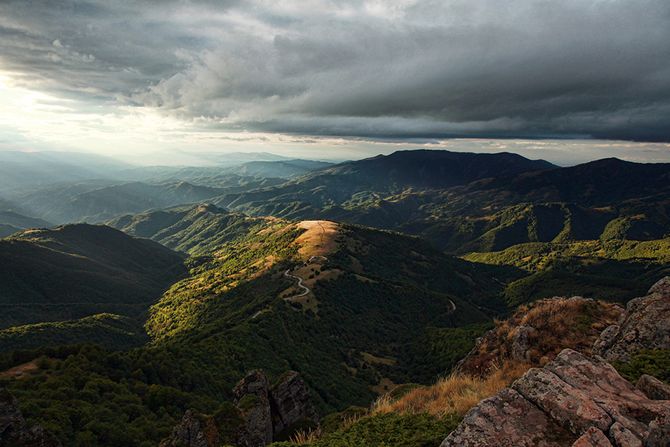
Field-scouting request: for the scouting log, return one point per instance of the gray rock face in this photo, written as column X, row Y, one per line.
column 290, row 403
column 573, row 400
column 252, row 397
column 646, row 325
column 268, row 412
column 190, row 432
column 261, row 413
column 14, row 432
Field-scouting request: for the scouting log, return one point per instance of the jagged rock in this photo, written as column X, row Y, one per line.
column 566, row 400
column 653, row 388
column 496, row 422
column 258, row 416
column 14, row 432
column 191, row 432
column 291, row 403
column 646, row 325
column 592, row 438
column 252, row 397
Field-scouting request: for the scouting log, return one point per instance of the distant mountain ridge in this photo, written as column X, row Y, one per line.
column 463, row 202
column 97, row 201
column 279, row 169
column 11, row 222
column 601, row 182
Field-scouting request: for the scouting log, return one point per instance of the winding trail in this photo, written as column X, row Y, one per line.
column 305, row 289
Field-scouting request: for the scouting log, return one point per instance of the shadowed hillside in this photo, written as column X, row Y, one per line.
column 70, row 270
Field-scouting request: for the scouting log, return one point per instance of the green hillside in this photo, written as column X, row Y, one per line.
column 6, row 230
column 66, row 272
column 279, row 169
column 194, row 229
column 610, row 269
column 109, row 330
column 12, row 222
column 382, row 308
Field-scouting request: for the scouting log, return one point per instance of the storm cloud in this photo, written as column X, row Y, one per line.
column 371, row 69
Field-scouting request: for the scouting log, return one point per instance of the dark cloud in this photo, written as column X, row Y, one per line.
column 379, row 69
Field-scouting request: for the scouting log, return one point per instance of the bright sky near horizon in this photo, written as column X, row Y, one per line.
column 565, row 81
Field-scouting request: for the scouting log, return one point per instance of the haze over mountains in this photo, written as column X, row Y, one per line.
column 172, row 283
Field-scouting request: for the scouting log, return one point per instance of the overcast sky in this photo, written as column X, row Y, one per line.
column 337, row 79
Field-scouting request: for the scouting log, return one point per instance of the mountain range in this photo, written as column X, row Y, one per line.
column 369, row 278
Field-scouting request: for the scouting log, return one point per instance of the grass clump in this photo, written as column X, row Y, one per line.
column 452, row 395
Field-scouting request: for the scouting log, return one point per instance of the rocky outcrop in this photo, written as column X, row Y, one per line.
column 14, row 431
column 645, row 325
column 271, row 413
column 191, row 432
column 573, row 401
column 290, row 403
column 536, row 333
column 262, row 414
column 252, row 397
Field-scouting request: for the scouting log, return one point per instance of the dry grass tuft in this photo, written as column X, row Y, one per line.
column 305, row 437
column 556, row 323
column 454, row 394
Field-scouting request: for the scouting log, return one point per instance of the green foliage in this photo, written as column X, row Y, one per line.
column 93, row 397
column 389, row 430
column 112, row 331
column 437, row 350
column 614, row 270
column 197, row 230
column 655, row 362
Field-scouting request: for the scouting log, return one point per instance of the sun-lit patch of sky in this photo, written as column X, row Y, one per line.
column 566, row 81
column 35, row 121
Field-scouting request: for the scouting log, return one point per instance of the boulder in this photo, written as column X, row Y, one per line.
column 653, row 388
column 14, row 431
column 645, row 325
column 569, row 406
column 574, row 400
column 623, row 437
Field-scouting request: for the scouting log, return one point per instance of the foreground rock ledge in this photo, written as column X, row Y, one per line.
column 572, row 401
